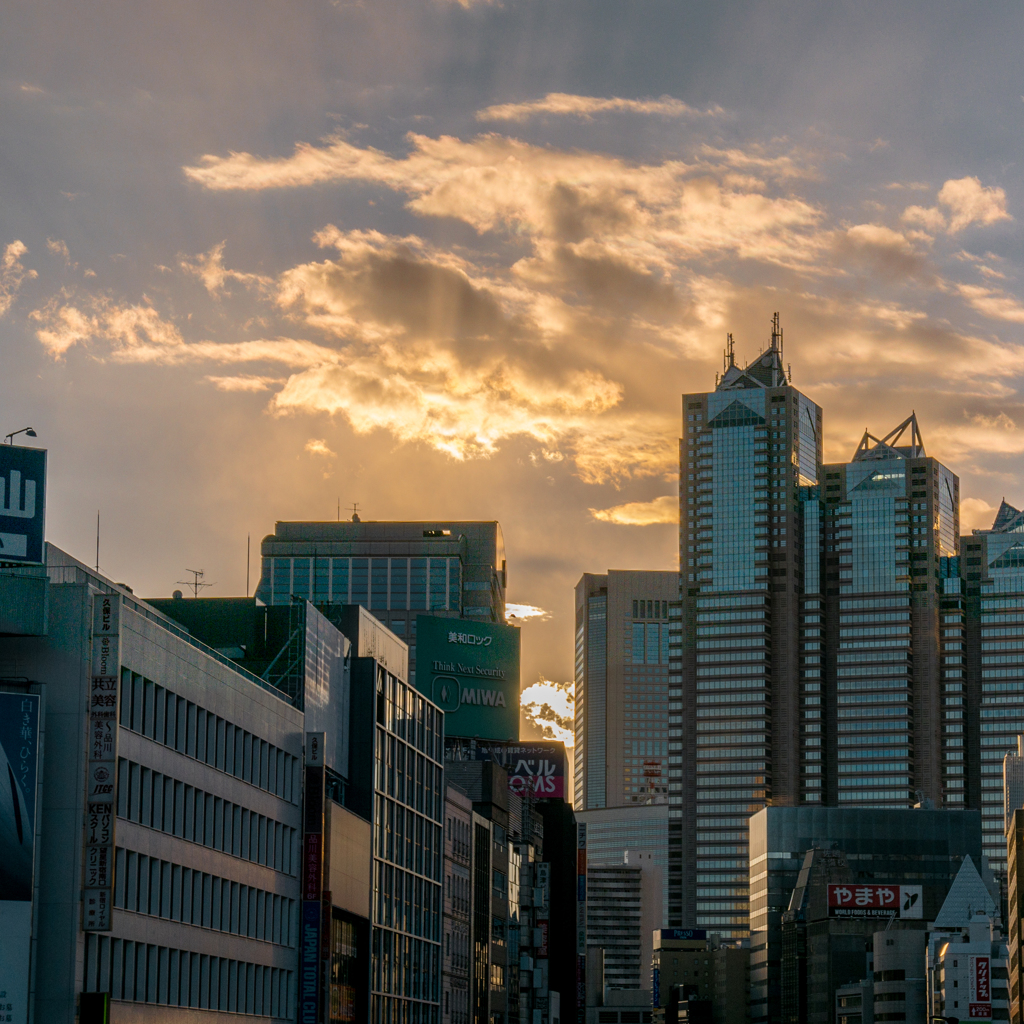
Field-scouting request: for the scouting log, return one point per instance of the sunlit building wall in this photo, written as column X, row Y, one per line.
column 622, row 756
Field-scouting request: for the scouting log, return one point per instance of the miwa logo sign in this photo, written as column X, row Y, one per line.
column 449, row 695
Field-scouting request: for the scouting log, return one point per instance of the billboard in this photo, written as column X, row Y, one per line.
column 979, row 984
column 19, row 755
column 471, row 671
column 535, row 768
column 902, row 901
column 22, row 503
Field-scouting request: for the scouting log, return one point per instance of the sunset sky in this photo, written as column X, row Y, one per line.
column 458, row 259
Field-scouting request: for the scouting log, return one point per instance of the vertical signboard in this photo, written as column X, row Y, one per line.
column 581, row 924
column 22, row 503
column 979, row 985
column 310, row 950
column 101, row 799
column 19, row 766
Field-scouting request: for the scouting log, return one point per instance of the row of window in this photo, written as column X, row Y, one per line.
column 407, row 839
column 405, row 712
column 406, row 902
column 144, row 973
column 148, row 885
column 419, row 584
column 158, row 801
column 408, row 776
column 405, row 966
column 163, row 716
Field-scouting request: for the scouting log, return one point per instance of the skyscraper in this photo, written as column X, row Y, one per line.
column 749, row 451
column 621, row 754
column 888, row 519
column 993, row 569
column 813, row 596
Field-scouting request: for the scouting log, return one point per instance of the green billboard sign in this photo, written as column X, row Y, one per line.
column 471, row 671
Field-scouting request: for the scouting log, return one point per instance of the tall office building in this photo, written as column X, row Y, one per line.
column 621, row 755
column 812, row 601
column 889, row 518
column 395, row 570
column 749, row 451
column 993, row 570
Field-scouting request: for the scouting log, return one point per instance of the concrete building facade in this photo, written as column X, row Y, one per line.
column 205, row 846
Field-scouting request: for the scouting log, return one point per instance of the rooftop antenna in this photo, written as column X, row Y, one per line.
column 355, row 512
column 776, row 335
column 196, row 583
column 97, row 540
column 339, row 510
column 730, row 352
column 247, row 540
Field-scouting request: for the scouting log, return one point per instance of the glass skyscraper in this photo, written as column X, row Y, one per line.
column 993, row 571
column 811, row 667
column 750, row 451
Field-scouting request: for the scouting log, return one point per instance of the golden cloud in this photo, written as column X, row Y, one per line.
column 641, row 513
column 569, row 104
column 967, row 202
column 209, row 268
column 12, row 274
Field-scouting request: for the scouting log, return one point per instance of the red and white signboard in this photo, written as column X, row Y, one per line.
column 980, row 987
column 874, row 901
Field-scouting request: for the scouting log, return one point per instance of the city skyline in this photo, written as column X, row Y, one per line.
column 261, row 255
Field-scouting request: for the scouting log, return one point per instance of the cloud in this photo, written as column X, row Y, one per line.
column 641, row 513
column 59, row 248
column 12, row 274
column 967, row 202
column 970, row 202
column 526, row 611
column 891, row 252
column 550, row 706
column 995, row 304
column 640, row 213
column 243, row 382
column 568, row 104
column 318, row 446
column 928, row 217
column 976, row 514
column 209, row 268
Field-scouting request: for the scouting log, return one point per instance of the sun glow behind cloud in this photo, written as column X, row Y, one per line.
column 550, row 707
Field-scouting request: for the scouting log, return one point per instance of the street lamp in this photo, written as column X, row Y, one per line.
column 27, row 431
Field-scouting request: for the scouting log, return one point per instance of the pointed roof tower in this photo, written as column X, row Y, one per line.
column 889, row 447
column 967, row 895
column 1006, row 517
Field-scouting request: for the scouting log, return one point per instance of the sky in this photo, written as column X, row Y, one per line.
column 459, row 259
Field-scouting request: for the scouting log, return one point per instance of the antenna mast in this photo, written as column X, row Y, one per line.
column 776, row 335
column 730, row 352
column 196, row 583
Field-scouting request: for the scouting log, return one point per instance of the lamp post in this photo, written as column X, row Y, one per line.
column 27, row 431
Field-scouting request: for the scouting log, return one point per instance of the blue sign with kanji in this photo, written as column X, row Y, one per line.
column 22, row 503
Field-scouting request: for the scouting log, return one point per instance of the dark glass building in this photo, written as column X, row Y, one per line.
column 910, row 846
column 395, row 570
